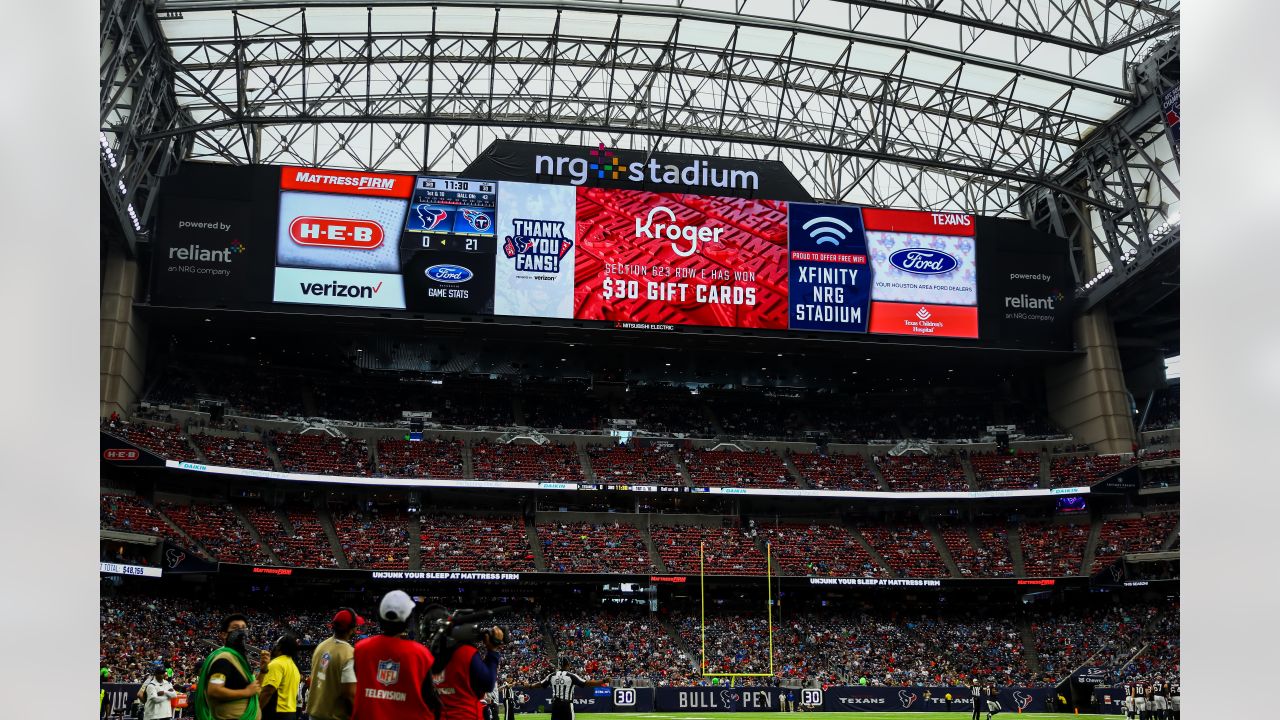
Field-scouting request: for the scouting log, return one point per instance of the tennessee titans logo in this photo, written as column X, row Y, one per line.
column 388, row 672
column 1022, row 699
column 431, row 217
column 907, row 699
column 480, row 221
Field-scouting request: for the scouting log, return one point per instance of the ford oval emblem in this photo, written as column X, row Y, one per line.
column 452, row 274
column 923, row 261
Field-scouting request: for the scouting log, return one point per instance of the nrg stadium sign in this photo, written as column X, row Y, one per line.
column 608, row 167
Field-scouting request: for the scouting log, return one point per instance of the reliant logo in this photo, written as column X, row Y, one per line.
column 1028, row 302
column 605, row 164
column 537, row 245
column 204, row 254
column 451, row 274
column 337, row 289
column 923, row 261
column 674, row 231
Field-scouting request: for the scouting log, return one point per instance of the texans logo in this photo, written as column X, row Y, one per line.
column 1022, row 699
column 906, row 698
column 173, row 557
column 431, row 218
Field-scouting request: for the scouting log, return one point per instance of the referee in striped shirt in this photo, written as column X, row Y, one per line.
column 562, row 682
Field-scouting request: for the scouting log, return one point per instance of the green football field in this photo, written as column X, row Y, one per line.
column 956, row 715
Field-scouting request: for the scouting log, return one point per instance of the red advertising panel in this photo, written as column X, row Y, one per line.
column 924, row 320
column 671, row 258
column 918, row 221
column 345, row 182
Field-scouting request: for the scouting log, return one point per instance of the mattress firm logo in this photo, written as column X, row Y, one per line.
column 605, row 164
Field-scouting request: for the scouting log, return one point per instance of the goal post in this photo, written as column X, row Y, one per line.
column 702, row 605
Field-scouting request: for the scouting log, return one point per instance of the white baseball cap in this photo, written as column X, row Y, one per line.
column 396, row 606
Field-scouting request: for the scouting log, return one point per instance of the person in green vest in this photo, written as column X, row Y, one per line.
column 226, row 688
column 862, row 681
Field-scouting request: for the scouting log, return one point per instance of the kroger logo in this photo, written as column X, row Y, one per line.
column 922, row 261
column 452, row 274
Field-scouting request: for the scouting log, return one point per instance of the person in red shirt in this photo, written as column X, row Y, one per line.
column 393, row 673
column 464, row 676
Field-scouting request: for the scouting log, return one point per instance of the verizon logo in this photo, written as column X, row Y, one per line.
column 336, row 289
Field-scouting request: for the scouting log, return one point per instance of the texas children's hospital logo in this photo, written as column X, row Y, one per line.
column 537, row 245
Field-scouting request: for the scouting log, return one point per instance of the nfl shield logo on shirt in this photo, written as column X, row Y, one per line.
column 388, row 672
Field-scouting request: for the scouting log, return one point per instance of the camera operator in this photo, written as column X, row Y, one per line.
column 462, row 676
column 392, row 672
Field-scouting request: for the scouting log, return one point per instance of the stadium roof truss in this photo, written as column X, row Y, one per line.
column 960, row 105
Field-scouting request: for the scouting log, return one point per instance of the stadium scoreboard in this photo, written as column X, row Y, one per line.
column 609, row 256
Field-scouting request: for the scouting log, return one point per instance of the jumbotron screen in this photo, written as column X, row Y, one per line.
column 629, row 258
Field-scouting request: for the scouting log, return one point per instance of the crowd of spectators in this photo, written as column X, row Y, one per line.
column 997, row 471
column 167, row 442
column 664, row 409
column 594, row 548
column 322, row 454
column 306, row 546
column 1131, row 535
column 217, row 528
column 628, row 465
column 1162, row 477
column 1067, row 637
column 374, row 538
column 920, row 473
column 835, row 472
column 561, row 406
column 239, row 452
column 1050, row 550
column 526, row 462
column 725, row 551
column 729, row 468
column 1083, row 470
column 908, row 548
column 467, row 543
column 756, row 416
column 819, row 550
column 439, row 459
column 132, row 514
column 619, row 645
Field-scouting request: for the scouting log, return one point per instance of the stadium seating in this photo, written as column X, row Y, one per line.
column 1068, row 637
column 526, row 462
column 1131, row 535
column 307, row 546
column 659, row 409
column 835, row 472
column 376, row 540
column 908, row 548
column 722, row 468
column 218, row 529
column 917, row 473
column 728, row 551
column 988, row 559
column 1082, row 470
column 1053, row 550
column 620, row 645
column 440, row 459
column 234, row 451
column 322, row 454
column 525, row 657
column 168, row 443
column 562, row 406
column 1019, row 471
column 634, row 466
column 1147, row 455
column 593, row 548
column 469, row 543
column 820, row 550
column 132, row 514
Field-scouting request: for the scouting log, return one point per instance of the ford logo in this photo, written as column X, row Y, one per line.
column 449, row 273
column 923, row 261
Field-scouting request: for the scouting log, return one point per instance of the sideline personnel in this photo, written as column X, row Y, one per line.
column 226, row 688
column 463, row 677
column 393, row 673
column 333, row 671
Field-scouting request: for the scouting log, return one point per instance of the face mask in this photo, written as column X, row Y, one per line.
column 238, row 640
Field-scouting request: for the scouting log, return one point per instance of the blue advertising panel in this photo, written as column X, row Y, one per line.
column 829, row 283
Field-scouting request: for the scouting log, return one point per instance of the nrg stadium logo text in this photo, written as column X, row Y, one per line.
column 605, row 164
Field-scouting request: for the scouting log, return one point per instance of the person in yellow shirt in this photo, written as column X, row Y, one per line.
column 279, row 696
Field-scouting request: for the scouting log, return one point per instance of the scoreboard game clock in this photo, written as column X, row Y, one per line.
column 447, row 247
